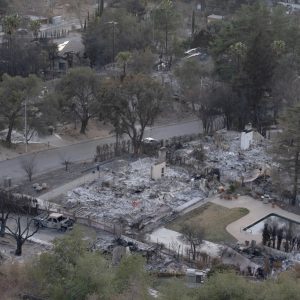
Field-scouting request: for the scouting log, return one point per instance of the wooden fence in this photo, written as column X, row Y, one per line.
column 109, row 151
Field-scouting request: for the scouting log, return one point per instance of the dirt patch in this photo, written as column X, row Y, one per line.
column 17, row 149
column 213, row 219
column 95, row 129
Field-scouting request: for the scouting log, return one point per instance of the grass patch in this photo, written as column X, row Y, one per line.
column 213, row 219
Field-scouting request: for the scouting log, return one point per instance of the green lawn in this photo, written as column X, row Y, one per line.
column 213, row 219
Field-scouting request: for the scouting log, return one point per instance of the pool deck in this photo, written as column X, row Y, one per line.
column 257, row 210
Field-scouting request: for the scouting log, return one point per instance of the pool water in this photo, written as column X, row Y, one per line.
column 281, row 222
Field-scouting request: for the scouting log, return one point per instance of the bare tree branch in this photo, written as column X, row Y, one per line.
column 21, row 234
column 29, row 165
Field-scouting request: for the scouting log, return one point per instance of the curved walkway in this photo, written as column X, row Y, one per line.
column 257, row 210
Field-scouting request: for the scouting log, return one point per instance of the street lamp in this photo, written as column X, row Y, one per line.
column 114, row 33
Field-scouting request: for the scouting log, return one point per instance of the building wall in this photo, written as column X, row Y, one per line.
column 246, row 140
column 158, row 170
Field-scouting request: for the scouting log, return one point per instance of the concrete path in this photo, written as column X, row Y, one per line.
column 257, row 210
column 69, row 186
column 173, row 240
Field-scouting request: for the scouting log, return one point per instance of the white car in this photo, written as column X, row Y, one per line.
column 150, row 141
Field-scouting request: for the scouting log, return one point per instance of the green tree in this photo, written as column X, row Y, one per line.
column 101, row 38
column 70, row 271
column 227, row 286
column 246, row 52
column 286, row 149
column 192, row 73
column 80, row 93
column 259, row 66
column 133, row 105
column 14, row 92
column 131, row 280
column 11, row 23
column 52, row 53
column 3, row 7
column 176, row 290
column 193, row 22
column 35, row 26
column 123, row 59
column 199, row 90
column 135, row 7
column 100, row 8
column 6, row 208
column 165, row 21
column 142, row 61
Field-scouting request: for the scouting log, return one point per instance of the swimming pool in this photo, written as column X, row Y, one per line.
column 257, row 227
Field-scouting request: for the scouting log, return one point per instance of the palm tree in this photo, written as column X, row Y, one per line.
column 10, row 26
column 35, row 26
column 122, row 59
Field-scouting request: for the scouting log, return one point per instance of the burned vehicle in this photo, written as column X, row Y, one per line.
column 54, row 220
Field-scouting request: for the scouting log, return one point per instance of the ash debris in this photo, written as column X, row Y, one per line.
column 129, row 196
column 223, row 152
column 126, row 194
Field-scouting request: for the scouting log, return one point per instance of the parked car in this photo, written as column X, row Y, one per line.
column 54, row 220
column 150, row 141
column 150, row 146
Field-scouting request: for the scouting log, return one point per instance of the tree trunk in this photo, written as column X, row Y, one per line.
column 3, row 224
column 84, row 124
column 194, row 251
column 205, row 125
column 117, row 148
column 10, row 129
column 136, row 147
column 167, row 33
column 279, row 240
column 136, row 139
column 295, row 185
column 18, row 251
column 124, row 70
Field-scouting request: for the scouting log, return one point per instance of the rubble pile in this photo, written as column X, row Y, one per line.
column 128, row 195
column 223, row 151
column 125, row 193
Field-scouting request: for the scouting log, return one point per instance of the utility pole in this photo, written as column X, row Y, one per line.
column 25, row 125
column 114, row 41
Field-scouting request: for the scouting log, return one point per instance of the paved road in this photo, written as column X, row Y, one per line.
column 52, row 159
